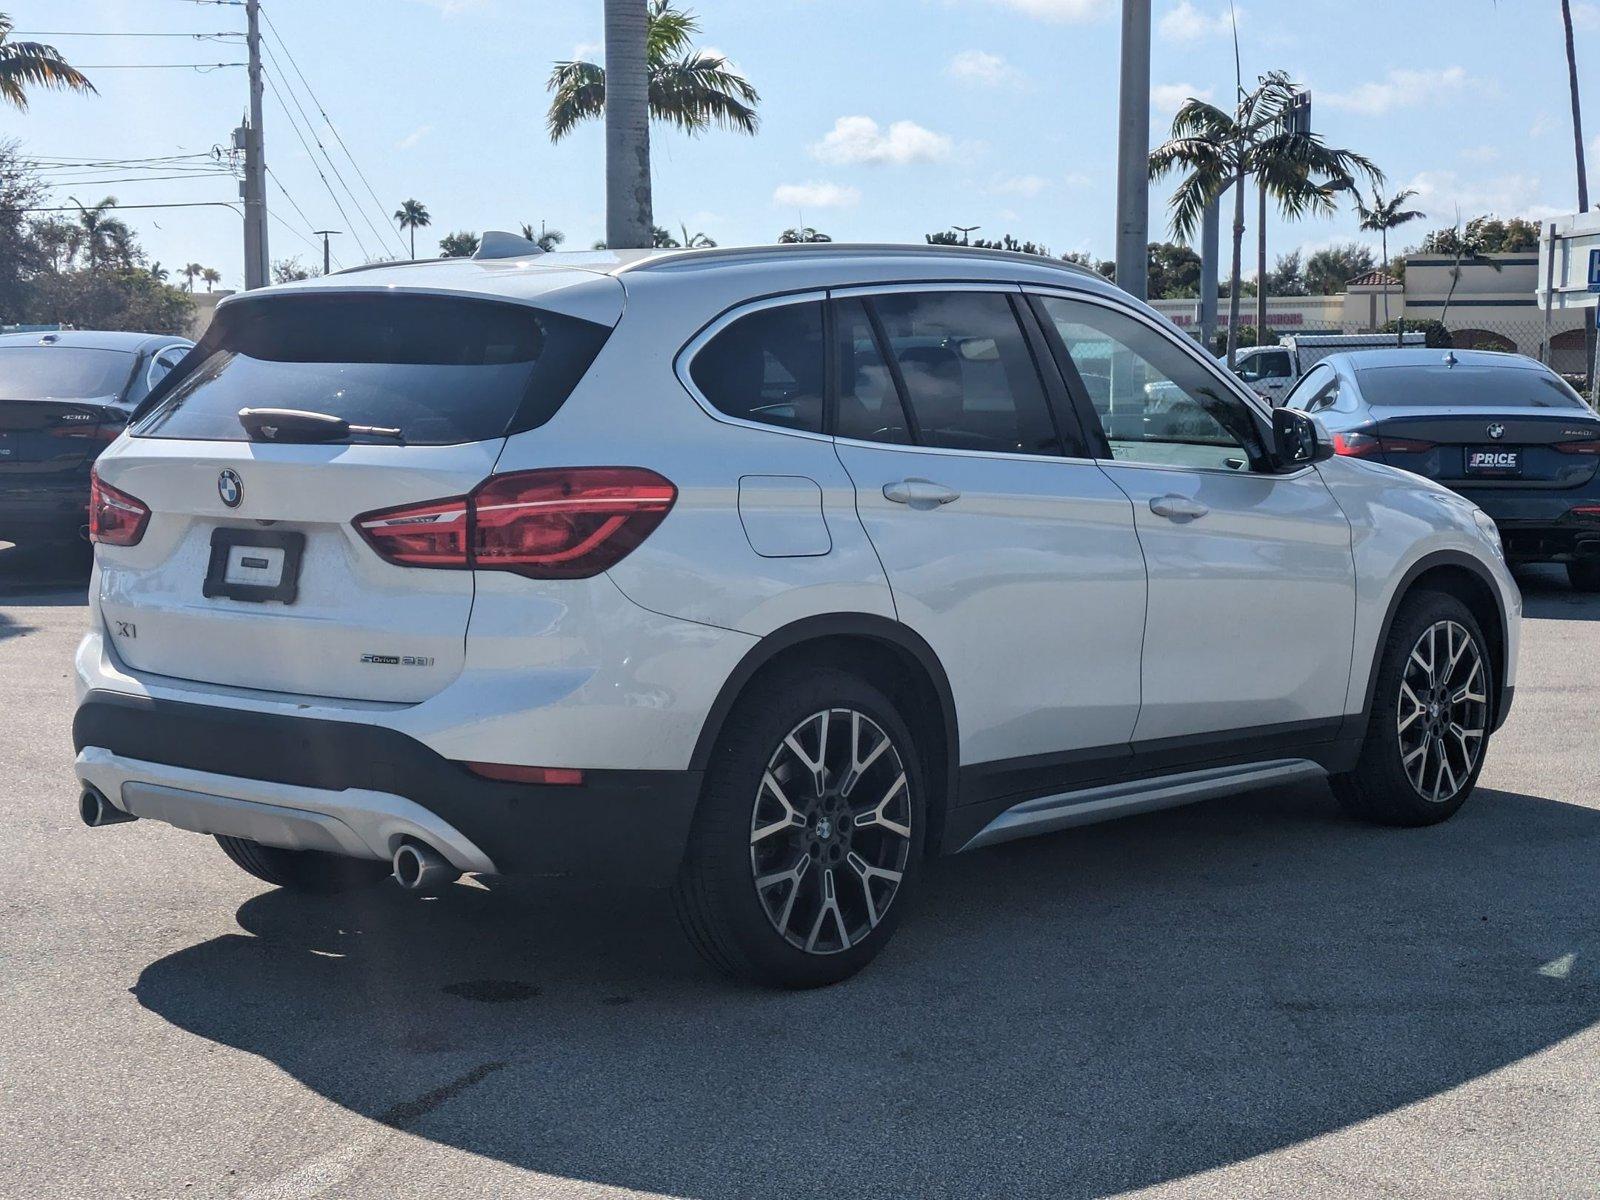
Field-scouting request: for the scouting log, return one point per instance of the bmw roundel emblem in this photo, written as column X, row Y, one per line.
column 231, row 488
column 1497, row 430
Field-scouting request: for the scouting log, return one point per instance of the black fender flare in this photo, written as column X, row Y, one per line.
column 893, row 633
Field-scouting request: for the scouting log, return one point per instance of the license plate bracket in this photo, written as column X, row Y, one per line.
column 254, row 565
column 1505, row 461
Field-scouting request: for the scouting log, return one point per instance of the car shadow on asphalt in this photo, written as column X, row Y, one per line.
column 1546, row 595
column 1073, row 1016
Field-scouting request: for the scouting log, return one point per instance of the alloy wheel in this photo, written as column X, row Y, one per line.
column 830, row 831
column 1442, row 713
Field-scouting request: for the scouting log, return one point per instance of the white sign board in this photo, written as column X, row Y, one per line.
column 1569, row 263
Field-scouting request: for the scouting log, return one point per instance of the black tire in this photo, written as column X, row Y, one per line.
column 848, row 838
column 1584, row 576
column 1384, row 787
column 303, row 870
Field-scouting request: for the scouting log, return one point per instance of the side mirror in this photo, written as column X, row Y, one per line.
column 1296, row 438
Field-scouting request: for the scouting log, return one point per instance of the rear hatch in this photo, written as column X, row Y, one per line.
column 57, row 407
column 1483, row 426
column 249, row 572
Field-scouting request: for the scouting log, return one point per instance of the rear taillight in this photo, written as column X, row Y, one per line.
column 557, row 523
column 115, row 518
column 1357, row 444
column 1591, row 446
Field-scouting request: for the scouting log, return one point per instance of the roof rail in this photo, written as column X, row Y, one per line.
column 724, row 254
column 381, row 265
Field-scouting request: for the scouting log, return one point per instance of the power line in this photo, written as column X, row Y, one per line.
column 138, row 34
column 304, row 145
column 278, row 183
column 334, row 129
column 201, row 67
column 78, row 181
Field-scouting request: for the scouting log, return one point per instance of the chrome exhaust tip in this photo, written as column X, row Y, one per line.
column 97, row 812
column 419, row 868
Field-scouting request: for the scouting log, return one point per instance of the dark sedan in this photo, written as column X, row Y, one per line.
column 63, row 398
column 1503, row 430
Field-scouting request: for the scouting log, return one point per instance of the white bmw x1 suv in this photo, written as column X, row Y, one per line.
column 760, row 573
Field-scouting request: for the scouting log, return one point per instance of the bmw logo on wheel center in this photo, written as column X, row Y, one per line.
column 231, row 488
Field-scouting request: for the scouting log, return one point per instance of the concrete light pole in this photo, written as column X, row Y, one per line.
column 1133, row 151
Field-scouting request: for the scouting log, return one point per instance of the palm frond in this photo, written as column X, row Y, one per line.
column 669, row 32
column 580, row 93
column 33, row 63
column 699, row 90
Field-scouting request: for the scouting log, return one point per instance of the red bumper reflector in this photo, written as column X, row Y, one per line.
column 511, row 774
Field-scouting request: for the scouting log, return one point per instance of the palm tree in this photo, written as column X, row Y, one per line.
column 212, row 276
column 803, row 233
column 158, row 272
column 25, row 63
column 1583, row 192
column 412, row 215
column 191, row 272
column 1463, row 245
column 1219, row 150
column 546, row 239
column 655, row 73
column 1383, row 216
column 97, row 236
column 695, row 241
column 459, row 245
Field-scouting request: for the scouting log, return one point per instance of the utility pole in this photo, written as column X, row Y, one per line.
column 1133, row 151
column 327, row 268
column 254, row 188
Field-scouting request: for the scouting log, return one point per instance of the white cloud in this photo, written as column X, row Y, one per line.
column 1026, row 186
column 1542, row 124
column 981, row 67
column 415, row 136
column 1485, row 153
column 1441, row 193
column 588, row 52
column 1586, row 16
column 1169, row 97
column 815, row 195
column 452, row 8
column 1401, row 88
column 1058, row 10
column 1186, row 23
column 862, row 140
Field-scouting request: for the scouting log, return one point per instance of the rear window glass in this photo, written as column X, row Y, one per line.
column 62, row 372
column 767, row 367
column 441, row 370
column 1465, row 387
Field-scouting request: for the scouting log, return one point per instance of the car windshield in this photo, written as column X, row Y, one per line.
column 439, row 370
column 1463, row 386
column 62, row 372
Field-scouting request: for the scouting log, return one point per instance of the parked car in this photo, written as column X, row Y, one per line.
column 63, row 398
column 1272, row 370
column 761, row 573
column 1501, row 429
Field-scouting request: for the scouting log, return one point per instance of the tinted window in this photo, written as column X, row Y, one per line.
column 869, row 405
column 440, row 369
column 970, row 381
column 767, row 367
column 1156, row 403
column 62, row 372
column 1463, row 386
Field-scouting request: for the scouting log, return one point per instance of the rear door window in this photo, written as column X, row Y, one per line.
column 767, row 367
column 441, row 370
column 969, row 378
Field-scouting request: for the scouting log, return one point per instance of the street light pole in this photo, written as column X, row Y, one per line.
column 1133, row 151
column 327, row 267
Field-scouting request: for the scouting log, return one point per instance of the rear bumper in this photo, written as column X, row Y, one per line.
column 39, row 507
column 361, row 789
column 1542, row 526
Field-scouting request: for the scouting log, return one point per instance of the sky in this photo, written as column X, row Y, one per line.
column 881, row 120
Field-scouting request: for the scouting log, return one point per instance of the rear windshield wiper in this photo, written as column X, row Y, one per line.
column 297, row 425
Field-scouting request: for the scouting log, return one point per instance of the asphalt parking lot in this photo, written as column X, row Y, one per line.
column 1251, row 997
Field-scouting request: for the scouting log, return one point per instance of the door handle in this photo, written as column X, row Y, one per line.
column 919, row 493
column 1178, row 508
